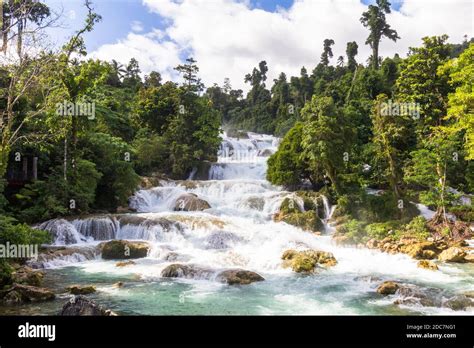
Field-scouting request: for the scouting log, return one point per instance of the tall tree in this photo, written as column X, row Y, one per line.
column 351, row 52
column 327, row 51
column 375, row 20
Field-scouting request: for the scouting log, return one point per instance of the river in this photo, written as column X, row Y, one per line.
column 236, row 232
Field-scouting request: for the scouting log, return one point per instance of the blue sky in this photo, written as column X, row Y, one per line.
column 230, row 37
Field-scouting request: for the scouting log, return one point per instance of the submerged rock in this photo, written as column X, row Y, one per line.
column 459, row 302
column 453, row 254
column 81, row 305
column 190, row 202
column 81, row 289
column 239, row 276
column 307, row 260
column 20, row 293
column 388, row 288
column 221, row 240
column 177, row 270
column 124, row 249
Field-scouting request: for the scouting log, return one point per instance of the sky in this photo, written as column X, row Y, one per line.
column 230, row 37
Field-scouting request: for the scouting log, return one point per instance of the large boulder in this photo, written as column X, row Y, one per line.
column 307, row 221
column 459, row 302
column 190, row 202
column 388, row 288
column 20, row 293
column 453, row 254
column 81, row 305
column 239, row 276
column 420, row 250
column 306, row 261
column 124, row 249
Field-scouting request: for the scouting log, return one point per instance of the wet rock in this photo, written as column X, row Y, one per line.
column 81, row 289
column 372, row 244
column 420, row 250
column 118, row 285
column 82, row 306
column 28, row 276
column 186, row 271
column 20, row 293
column 388, row 288
column 123, row 249
column 125, row 263
column 459, row 302
column 265, row 153
column 62, row 231
column 453, row 254
column 239, row 276
column 221, row 240
column 307, row 260
column 190, row 202
column 64, row 253
column 341, row 239
column 308, row 220
column 469, row 258
column 426, row 264
column 415, row 295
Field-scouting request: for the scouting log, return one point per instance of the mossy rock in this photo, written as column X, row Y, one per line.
column 388, row 288
column 122, row 249
column 308, row 221
column 313, row 201
column 307, row 260
column 81, row 290
column 289, row 206
column 426, row 264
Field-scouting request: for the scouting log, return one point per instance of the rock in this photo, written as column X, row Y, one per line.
column 372, row 244
column 81, row 290
column 118, row 285
column 427, row 265
column 387, row 288
column 190, row 202
column 239, row 276
column 220, row 240
column 64, row 253
column 123, row 249
column 306, row 261
column 469, row 294
column 341, row 239
column 453, row 254
column 415, row 295
column 308, row 220
column 81, row 305
column 124, row 263
column 28, row 276
column 265, row 153
column 420, row 250
column 177, row 270
column 20, row 293
column 289, row 206
column 459, row 302
column 469, row 258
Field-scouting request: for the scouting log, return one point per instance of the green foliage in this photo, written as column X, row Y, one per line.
column 354, row 230
column 381, row 230
column 417, row 228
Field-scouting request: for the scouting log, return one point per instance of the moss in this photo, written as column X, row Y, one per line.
column 308, row 221
column 289, row 206
column 6, row 271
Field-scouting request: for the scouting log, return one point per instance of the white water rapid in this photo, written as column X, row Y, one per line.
column 237, row 231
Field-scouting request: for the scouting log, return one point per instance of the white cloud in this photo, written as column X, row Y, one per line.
column 229, row 37
column 137, row 26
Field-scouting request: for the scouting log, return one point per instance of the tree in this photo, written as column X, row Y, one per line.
column 460, row 113
column 351, row 52
column 327, row 52
column 375, row 20
column 420, row 83
column 189, row 73
column 323, row 140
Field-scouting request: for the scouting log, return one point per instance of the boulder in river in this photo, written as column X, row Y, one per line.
column 307, row 260
column 190, row 202
column 125, row 263
column 124, row 249
column 239, row 276
column 81, row 305
column 81, row 289
column 427, row 264
column 459, row 302
column 453, row 254
column 177, row 270
column 20, row 293
column 388, row 288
